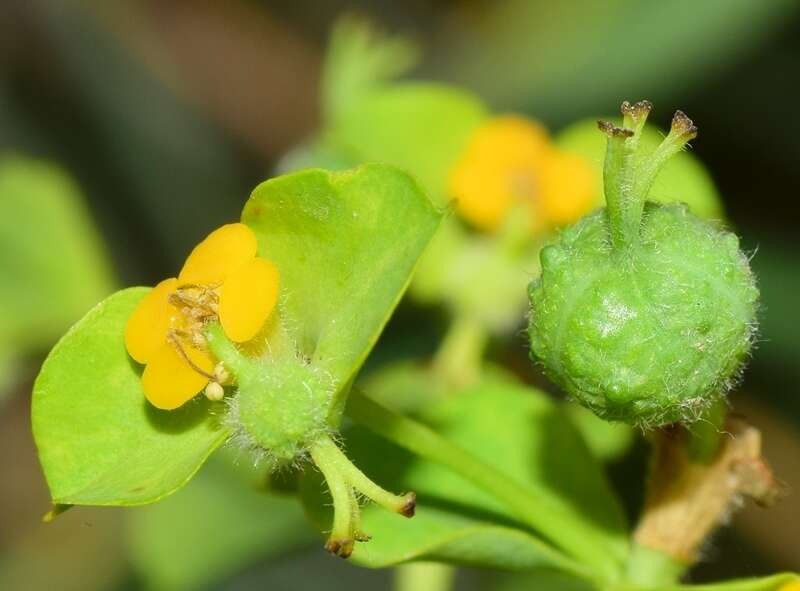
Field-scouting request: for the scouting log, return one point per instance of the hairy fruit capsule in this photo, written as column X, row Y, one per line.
column 643, row 312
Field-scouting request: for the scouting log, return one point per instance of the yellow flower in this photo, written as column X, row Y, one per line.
column 222, row 280
column 792, row 586
column 511, row 160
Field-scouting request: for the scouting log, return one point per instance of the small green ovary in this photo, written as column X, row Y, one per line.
column 281, row 407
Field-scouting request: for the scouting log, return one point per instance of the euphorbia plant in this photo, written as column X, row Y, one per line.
column 258, row 340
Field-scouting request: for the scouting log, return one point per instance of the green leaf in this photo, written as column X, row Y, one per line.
column 440, row 530
column 217, row 525
column 545, row 580
column 683, row 178
column 771, row 583
column 359, row 59
column 566, row 59
column 99, row 441
column 52, row 265
column 521, row 433
column 345, row 244
column 420, row 127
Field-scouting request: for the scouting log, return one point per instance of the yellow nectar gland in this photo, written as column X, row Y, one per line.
column 792, row 586
column 222, row 281
column 511, row 160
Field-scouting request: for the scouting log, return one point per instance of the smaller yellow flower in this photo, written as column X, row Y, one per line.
column 511, row 160
column 222, row 280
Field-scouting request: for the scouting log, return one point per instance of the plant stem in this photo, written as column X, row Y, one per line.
column 562, row 526
column 424, row 576
column 650, row 567
column 705, row 435
column 459, row 358
column 344, row 480
column 341, row 537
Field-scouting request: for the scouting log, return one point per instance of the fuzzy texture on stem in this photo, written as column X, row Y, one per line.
column 643, row 312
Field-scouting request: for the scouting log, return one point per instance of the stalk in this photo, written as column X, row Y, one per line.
column 563, row 527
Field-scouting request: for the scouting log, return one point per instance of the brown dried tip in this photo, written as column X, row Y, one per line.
column 410, row 507
column 682, row 125
column 637, row 110
column 612, row 130
column 340, row 548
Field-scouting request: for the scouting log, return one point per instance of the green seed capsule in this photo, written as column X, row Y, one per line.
column 643, row 312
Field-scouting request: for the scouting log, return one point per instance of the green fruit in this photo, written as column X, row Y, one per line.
column 643, row 312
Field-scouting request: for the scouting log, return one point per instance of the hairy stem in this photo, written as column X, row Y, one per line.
column 628, row 174
column 705, row 436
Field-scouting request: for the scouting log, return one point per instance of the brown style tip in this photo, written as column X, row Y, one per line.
column 612, row 130
column 683, row 126
column 410, row 506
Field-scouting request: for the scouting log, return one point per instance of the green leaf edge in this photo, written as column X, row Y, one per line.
column 73, row 499
column 560, row 561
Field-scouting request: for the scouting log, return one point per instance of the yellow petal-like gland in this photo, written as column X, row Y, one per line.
column 247, row 299
column 568, row 188
column 221, row 253
column 147, row 327
column 169, row 381
column 499, row 168
column 792, row 586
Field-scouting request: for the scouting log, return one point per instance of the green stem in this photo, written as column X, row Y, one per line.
column 344, row 480
column 459, row 358
column 628, row 175
column 563, row 527
column 648, row 567
column 616, row 185
column 705, row 435
column 224, row 350
column 341, row 538
column 424, row 576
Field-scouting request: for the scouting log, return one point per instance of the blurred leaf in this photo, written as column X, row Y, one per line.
column 217, row 525
column 80, row 552
column 480, row 277
column 346, row 245
column 160, row 155
column 420, row 127
column 8, row 367
column 99, row 441
column 771, row 583
column 313, row 154
column 544, row 580
column 52, row 264
column 775, row 265
column 683, row 178
column 607, row 440
column 520, row 432
column 359, row 59
column 568, row 58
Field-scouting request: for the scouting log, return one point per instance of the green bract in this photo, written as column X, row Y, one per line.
column 345, row 245
column 643, row 312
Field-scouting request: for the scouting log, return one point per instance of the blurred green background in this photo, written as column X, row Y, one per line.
column 154, row 119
